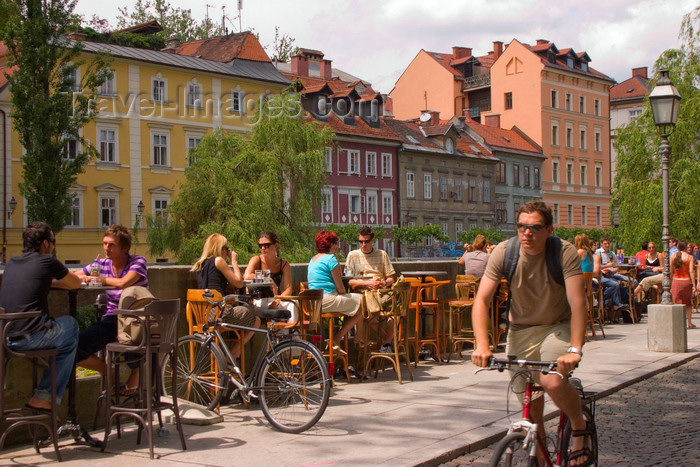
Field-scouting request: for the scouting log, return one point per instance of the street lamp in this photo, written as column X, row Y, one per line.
column 665, row 102
column 13, row 206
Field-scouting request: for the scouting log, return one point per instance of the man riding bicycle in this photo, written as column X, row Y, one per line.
column 547, row 319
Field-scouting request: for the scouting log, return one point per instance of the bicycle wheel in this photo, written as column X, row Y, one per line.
column 510, row 451
column 566, row 441
column 201, row 372
column 295, row 386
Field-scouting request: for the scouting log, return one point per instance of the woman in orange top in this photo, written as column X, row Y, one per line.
column 683, row 285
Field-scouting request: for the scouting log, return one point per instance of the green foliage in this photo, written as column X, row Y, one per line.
column 175, row 21
column 494, row 236
column 593, row 234
column 283, row 46
column 638, row 184
column 45, row 110
column 85, row 315
column 346, row 233
column 241, row 186
column 418, row 233
column 127, row 39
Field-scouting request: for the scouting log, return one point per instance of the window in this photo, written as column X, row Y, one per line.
column 107, row 142
column 71, row 149
column 516, row 174
column 355, row 206
column 472, row 190
column 192, row 142
column 596, row 107
column 569, row 137
column 410, row 185
column 327, row 201
column 108, row 210
column 459, row 227
column 569, row 62
column 584, row 175
column 427, row 186
column 108, row 87
column 501, row 211
column 555, row 97
column 598, row 175
column 372, row 204
column 74, row 79
column 555, row 171
column 516, row 210
column 449, row 145
column 487, row 191
column 329, row 160
column 526, row 175
column 386, row 164
column 501, row 172
column 570, row 173
column 584, row 67
column 443, row 187
column 158, row 90
column 387, row 206
column 567, row 100
column 371, row 163
column 160, row 208
column 536, row 175
column 582, row 142
column 598, row 141
column 194, row 95
column 597, row 216
column 160, row 149
column 444, row 228
column 353, row 162
column 570, row 213
column 458, row 188
column 236, row 98
column 582, row 104
column 76, row 209
column 555, row 214
column 509, row 100
column 635, row 113
column 583, row 215
column 555, row 134
column 428, row 240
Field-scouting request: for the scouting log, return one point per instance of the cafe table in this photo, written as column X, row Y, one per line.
column 630, row 270
column 422, row 275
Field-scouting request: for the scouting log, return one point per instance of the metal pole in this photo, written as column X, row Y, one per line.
column 665, row 152
column 4, row 187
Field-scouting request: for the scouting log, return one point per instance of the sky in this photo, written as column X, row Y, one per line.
column 377, row 39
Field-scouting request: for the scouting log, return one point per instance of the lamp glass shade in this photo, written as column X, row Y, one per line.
column 665, row 102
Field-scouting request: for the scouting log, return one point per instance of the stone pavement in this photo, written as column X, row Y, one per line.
column 446, row 412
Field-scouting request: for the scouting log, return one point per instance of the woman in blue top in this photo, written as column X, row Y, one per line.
column 324, row 273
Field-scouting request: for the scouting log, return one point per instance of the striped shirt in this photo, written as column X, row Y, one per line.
column 375, row 264
column 133, row 263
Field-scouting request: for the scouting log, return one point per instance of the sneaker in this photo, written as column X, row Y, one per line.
column 386, row 348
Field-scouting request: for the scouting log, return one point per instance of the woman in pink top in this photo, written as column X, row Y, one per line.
column 683, row 285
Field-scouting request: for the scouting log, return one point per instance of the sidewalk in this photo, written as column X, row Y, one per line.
column 445, row 412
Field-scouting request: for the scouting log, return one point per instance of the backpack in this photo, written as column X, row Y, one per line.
column 552, row 256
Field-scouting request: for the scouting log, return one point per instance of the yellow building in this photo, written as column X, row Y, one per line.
column 157, row 105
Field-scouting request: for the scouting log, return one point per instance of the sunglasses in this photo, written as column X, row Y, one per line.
column 52, row 240
column 265, row 245
column 533, row 227
column 365, row 241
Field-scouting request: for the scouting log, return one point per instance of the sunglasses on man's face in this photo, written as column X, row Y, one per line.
column 533, row 227
column 265, row 245
column 365, row 241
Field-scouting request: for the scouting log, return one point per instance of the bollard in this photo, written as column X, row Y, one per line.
column 667, row 331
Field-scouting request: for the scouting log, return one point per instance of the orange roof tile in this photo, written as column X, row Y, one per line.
column 502, row 138
column 360, row 128
column 445, row 59
column 560, row 61
column 225, row 49
column 635, row 87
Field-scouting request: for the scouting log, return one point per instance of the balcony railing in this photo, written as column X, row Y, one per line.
column 477, row 81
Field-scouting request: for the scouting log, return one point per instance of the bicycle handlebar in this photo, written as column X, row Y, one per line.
column 231, row 297
column 501, row 364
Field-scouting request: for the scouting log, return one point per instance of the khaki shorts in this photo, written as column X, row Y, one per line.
column 542, row 343
column 346, row 304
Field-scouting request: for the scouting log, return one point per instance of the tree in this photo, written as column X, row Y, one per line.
column 418, row 233
column 175, row 21
column 283, row 46
column 638, row 191
column 239, row 186
column 46, row 111
column 492, row 235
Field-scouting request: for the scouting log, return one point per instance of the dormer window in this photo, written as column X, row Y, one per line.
column 584, row 66
column 551, row 56
column 449, row 145
column 569, row 62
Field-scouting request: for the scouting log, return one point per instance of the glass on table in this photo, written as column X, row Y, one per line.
column 258, row 275
column 266, row 275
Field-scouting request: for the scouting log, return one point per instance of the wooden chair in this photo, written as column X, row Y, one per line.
column 461, row 331
column 155, row 342
column 308, row 305
column 39, row 357
column 424, row 297
column 594, row 310
column 400, row 301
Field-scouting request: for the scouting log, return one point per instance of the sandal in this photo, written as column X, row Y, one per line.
column 128, row 390
column 585, row 452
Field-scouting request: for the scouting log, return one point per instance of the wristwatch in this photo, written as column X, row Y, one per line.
column 574, row 350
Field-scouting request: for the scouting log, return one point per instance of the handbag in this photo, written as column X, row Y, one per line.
column 130, row 329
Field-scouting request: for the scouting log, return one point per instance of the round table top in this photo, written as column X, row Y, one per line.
column 423, row 273
column 253, row 284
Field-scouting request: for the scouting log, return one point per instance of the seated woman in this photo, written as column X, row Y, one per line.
column 474, row 262
column 214, row 273
column 324, row 273
column 652, row 263
column 280, row 273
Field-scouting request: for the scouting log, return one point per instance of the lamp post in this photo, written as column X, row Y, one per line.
column 13, row 206
column 665, row 102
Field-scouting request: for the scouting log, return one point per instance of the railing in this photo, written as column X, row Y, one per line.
column 477, row 81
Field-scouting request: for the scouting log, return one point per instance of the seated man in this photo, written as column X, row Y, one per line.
column 118, row 269
column 25, row 287
column 369, row 261
column 610, row 279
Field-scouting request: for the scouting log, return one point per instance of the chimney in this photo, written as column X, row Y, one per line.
column 641, row 72
column 300, row 66
column 77, row 36
column 493, row 120
column 434, row 117
column 542, row 41
column 325, row 69
column 388, row 103
column 172, row 43
column 497, row 49
column 461, row 52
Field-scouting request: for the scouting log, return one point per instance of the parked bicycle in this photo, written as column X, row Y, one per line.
column 290, row 376
column 521, row 444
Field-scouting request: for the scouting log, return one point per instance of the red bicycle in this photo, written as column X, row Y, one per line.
column 521, row 443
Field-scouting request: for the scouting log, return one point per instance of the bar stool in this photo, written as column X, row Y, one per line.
column 461, row 331
column 43, row 357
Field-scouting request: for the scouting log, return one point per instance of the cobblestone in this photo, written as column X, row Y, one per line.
column 651, row 423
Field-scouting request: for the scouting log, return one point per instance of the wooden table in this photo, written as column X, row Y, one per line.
column 630, row 270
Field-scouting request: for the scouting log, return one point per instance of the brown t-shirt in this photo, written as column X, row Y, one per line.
column 536, row 298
